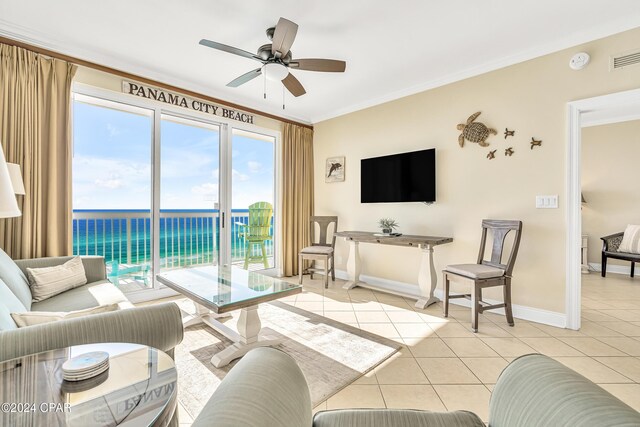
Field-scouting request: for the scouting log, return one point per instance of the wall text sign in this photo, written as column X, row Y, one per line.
column 143, row 91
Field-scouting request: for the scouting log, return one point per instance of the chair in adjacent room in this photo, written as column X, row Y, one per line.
column 321, row 249
column 486, row 273
column 611, row 249
column 256, row 232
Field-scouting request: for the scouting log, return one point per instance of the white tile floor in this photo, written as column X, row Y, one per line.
column 444, row 366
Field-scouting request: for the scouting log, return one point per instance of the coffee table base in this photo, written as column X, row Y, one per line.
column 245, row 339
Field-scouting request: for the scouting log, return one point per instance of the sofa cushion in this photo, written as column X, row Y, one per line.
column 31, row 318
column 537, row 391
column 9, row 303
column 85, row 296
column 49, row 281
column 15, row 279
column 395, row 417
column 630, row 240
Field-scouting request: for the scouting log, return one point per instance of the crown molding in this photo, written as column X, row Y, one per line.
column 589, row 35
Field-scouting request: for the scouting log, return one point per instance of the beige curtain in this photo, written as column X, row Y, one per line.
column 297, row 192
column 35, row 94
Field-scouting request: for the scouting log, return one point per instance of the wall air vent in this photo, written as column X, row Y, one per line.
column 625, row 59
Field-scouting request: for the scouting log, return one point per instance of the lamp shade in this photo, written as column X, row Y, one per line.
column 16, row 178
column 8, row 204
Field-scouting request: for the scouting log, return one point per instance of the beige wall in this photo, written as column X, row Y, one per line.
column 112, row 82
column 531, row 98
column 610, row 182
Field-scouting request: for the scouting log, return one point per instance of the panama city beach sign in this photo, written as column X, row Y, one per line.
column 138, row 89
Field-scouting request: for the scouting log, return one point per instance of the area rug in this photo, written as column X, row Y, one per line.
column 331, row 354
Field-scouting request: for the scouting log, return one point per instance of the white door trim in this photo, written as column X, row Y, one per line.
column 575, row 111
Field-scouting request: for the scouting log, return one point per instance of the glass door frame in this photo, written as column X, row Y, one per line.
column 225, row 156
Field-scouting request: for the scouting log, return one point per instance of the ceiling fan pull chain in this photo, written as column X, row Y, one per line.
column 283, row 94
column 265, row 82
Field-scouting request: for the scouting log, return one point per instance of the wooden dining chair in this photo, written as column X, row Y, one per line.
column 486, row 273
column 321, row 248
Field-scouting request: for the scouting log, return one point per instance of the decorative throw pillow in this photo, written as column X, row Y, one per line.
column 49, row 281
column 631, row 240
column 31, row 318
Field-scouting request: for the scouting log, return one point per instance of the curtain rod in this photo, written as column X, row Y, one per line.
column 141, row 79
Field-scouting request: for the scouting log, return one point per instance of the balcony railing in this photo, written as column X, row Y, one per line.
column 189, row 237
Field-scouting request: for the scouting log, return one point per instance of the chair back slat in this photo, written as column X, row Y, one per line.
column 259, row 222
column 323, row 225
column 500, row 229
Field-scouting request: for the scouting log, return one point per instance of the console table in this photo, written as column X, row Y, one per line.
column 427, row 277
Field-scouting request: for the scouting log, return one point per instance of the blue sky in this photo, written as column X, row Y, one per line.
column 112, row 166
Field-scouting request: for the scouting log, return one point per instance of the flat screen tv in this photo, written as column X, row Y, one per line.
column 404, row 177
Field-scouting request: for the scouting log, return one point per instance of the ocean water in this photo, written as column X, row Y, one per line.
column 187, row 237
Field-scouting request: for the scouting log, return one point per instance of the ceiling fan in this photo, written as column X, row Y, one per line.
column 276, row 58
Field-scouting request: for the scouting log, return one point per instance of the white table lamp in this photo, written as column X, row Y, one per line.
column 16, row 178
column 8, row 204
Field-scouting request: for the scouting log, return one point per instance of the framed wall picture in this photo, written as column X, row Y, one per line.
column 334, row 171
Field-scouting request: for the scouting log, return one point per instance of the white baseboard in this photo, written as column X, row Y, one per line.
column 409, row 290
column 612, row 268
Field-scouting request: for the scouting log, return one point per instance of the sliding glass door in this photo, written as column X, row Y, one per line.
column 252, row 199
column 156, row 189
column 189, row 193
column 112, row 187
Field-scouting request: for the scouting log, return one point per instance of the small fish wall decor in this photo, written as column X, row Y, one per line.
column 509, row 152
column 535, row 143
column 492, row 154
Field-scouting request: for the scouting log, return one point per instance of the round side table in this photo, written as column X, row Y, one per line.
column 139, row 389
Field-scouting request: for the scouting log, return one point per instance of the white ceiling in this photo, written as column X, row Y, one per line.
column 392, row 48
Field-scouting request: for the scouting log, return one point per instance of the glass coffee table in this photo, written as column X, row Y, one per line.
column 217, row 290
column 138, row 389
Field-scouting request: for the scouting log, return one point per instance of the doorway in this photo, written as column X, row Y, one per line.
column 616, row 106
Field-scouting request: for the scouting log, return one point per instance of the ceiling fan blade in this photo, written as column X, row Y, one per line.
column 313, row 64
column 245, row 78
column 283, row 37
column 229, row 49
column 293, row 85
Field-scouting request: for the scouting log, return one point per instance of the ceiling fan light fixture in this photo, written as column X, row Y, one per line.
column 275, row 72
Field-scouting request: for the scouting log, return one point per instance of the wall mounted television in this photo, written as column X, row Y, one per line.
column 403, row 177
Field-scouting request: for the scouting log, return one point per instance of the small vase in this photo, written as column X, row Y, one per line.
column 386, row 231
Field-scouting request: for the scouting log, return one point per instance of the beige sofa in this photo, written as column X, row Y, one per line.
column 159, row 326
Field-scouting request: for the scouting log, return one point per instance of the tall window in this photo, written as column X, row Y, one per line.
column 155, row 189
column 112, row 186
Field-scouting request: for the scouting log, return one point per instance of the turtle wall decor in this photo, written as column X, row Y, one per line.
column 474, row 131
column 509, row 152
column 508, row 132
column 492, row 154
column 535, row 143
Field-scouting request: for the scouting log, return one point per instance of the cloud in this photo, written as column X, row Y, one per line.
column 109, row 183
column 208, row 188
column 239, row 176
column 254, row 166
column 112, row 130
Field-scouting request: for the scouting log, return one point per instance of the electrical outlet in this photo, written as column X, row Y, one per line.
column 547, row 202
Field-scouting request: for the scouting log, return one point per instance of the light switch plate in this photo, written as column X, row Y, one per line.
column 547, row 202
